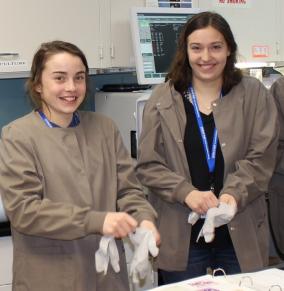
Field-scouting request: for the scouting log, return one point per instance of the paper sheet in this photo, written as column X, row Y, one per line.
column 271, row 279
column 260, row 281
column 204, row 283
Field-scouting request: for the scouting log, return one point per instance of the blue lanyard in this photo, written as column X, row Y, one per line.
column 44, row 118
column 211, row 158
column 75, row 120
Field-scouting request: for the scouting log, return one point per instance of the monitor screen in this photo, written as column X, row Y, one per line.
column 155, row 33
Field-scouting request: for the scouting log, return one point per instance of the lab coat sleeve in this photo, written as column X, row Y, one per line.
column 252, row 173
column 277, row 91
column 152, row 168
column 21, row 189
column 130, row 197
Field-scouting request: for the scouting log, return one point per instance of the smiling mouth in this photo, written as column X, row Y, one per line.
column 69, row 99
column 206, row 65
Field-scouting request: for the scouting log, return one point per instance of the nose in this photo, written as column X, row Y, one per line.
column 205, row 54
column 70, row 85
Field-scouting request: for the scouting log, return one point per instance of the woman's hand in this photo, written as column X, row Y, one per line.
column 229, row 199
column 201, row 201
column 119, row 224
column 150, row 226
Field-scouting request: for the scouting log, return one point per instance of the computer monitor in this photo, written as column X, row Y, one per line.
column 155, row 34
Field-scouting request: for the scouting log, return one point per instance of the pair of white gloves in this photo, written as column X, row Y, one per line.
column 215, row 217
column 144, row 243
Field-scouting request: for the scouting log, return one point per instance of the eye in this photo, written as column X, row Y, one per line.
column 81, row 77
column 59, row 78
column 195, row 48
column 216, row 47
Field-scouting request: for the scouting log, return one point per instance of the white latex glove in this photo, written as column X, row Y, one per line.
column 107, row 252
column 193, row 217
column 144, row 243
column 215, row 217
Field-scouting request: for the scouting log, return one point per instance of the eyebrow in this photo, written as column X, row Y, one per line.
column 65, row 73
column 218, row 42
column 213, row 43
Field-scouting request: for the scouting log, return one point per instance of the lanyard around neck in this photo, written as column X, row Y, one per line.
column 210, row 157
column 75, row 120
column 44, row 118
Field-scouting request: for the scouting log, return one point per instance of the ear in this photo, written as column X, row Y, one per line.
column 38, row 88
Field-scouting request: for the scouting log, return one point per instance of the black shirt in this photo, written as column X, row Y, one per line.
column 199, row 172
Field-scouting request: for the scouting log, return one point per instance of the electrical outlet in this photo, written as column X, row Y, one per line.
column 13, row 66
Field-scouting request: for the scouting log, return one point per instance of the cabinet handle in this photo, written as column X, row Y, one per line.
column 277, row 48
column 101, row 52
column 9, row 54
column 112, row 51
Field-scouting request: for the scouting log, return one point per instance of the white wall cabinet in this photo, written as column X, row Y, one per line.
column 281, row 28
column 26, row 24
column 101, row 28
column 255, row 24
column 117, row 43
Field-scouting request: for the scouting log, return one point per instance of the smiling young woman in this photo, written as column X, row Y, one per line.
column 209, row 135
column 67, row 180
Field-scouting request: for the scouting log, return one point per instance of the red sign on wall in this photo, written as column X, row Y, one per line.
column 260, row 51
column 232, row 3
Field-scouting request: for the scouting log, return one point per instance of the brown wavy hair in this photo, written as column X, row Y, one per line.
column 180, row 73
column 45, row 51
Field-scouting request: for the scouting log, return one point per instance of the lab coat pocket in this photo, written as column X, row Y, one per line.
column 259, row 214
column 259, row 218
column 43, row 269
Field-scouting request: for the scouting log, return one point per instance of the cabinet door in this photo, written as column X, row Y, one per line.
column 255, row 25
column 118, row 41
column 26, row 24
column 281, row 29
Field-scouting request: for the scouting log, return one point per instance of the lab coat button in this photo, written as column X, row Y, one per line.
column 223, row 144
column 158, row 104
column 214, row 104
column 232, row 228
column 179, row 140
